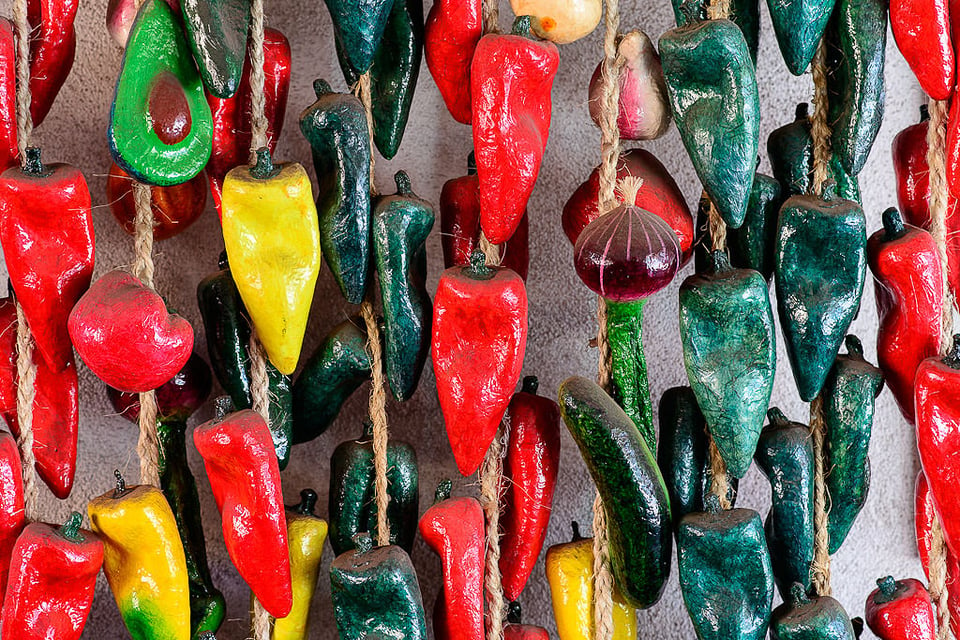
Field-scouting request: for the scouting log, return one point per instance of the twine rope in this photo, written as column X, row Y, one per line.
column 262, row 622
column 820, row 569
column 26, row 391
column 819, row 124
column 378, row 417
column 719, row 480
column 24, row 119
column 602, row 577
column 938, row 578
column 491, row 16
column 490, row 487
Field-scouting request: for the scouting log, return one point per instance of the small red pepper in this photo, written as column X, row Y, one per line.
column 453, row 29
column 8, row 96
column 12, row 516
column 516, row 630
column 454, row 528
column 175, row 207
column 511, row 78
column 923, row 522
column 909, row 291
column 47, row 235
column 53, row 576
column 241, row 464
column 53, row 45
column 921, row 29
column 460, row 225
column 479, row 338
column 8, row 355
column 231, row 116
column 900, row 610
column 530, row 476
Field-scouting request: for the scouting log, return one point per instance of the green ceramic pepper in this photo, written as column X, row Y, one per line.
column 729, row 352
column 803, row 618
column 713, row 93
column 217, row 32
column 401, row 225
column 375, row 592
column 393, row 74
column 683, row 455
column 744, row 13
column 228, row 338
column 820, row 267
column 799, row 26
column 358, row 27
column 353, row 506
column 856, row 41
column 627, row 478
column 785, row 455
column 336, row 127
column 725, row 573
column 790, row 149
column 848, row 403
column 335, row 370
column 628, row 377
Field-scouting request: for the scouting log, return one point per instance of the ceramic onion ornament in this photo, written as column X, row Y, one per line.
column 560, row 21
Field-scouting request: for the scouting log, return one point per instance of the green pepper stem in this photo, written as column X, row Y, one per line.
column 887, row 585
column 854, row 346
column 404, row 188
column 121, row 487
column 70, row 529
column 522, row 26
column 32, row 164
column 514, row 612
column 798, row 595
column 776, row 417
column 264, row 169
column 472, row 164
column 478, row 269
column 952, row 359
column 222, row 406
column 308, row 500
column 829, row 190
column 575, row 535
column 321, row 87
column 530, row 385
column 720, row 261
column 207, row 635
column 802, row 112
column 893, row 224
column 444, row 489
column 363, row 543
column 711, row 504
column 367, row 430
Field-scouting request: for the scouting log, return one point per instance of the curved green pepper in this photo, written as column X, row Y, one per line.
column 401, row 225
column 375, row 592
column 393, row 74
column 790, row 149
column 803, row 618
column 725, row 573
column 627, row 478
column 353, row 506
column 628, row 366
column 799, row 27
column 821, row 264
column 848, row 403
column 712, row 87
column 336, row 128
column 729, row 352
column 785, row 455
column 856, row 40
column 744, row 13
column 228, row 337
column 335, row 370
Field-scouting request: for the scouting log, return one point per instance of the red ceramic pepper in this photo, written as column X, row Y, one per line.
column 8, row 354
column 909, row 291
column 8, row 96
column 900, row 610
column 530, row 476
column 124, row 333
column 12, row 517
column 923, row 522
column 479, row 338
column 658, row 194
column 53, row 44
column 460, row 225
column 174, row 208
column 53, row 576
column 516, row 630
column 511, row 78
column 231, row 116
column 241, row 464
column 47, row 235
column 454, row 528
column 921, row 29
column 453, row 29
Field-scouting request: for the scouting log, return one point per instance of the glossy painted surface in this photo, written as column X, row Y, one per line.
column 175, row 208
column 682, row 450
column 820, row 268
column 273, row 243
column 900, row 610
column 452, row 31
column 629, row 383
column 909, row 293
column 479, row 338
column 627, row 478
column 336, row 127
column 144, row 561
column 924, row 512
column 729, row 352
column 53, row 46
column 799, row 26
column 157, row 49
column 12, row 516
column 242, row 468
column 643, row 112
column 921, row 29
column 8, row 96
column 752, row 245
column 560, row 21
column 744, row 13
column 358, row 26
column 306, row 534
column 713, row 93
column 802, row 618
column 511, row 78
column 125, row 335
column 46, row 231
column 217, row 33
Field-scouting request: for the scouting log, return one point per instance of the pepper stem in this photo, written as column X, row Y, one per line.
column 363, row 543
column 530, row 385
column 478, row 269
column 893, row 224
column 221, row 407
column 70, row 529
column 803, row 111
column 719, row 261
column 264, row 169
column 952, row 359
column 472, row 164
column 404, row 187
column 776, row 417
column 575, row 535
column 829, row 190
column 514, row 612
column 798, row 595
column 711, row 504
column 207, row 635
column 924, row 113
column 308, row 500
column 32, row 164
column 367, row 430
column 522, row 26
column 321, row 87
column 121, row 487
column 854, row 346
column 444, row 489
column 887, row 585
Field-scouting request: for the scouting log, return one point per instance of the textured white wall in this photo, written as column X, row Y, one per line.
column 561, row 309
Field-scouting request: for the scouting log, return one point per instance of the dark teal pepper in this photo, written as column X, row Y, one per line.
column 744, row 13
column 336, row 127
column 217, row 33
column 803, row 618
column 799, row 26
column 628, row 367
column 401, row 225
column 848, row 403
column 358, row 27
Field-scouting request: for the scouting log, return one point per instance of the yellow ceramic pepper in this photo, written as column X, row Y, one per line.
column 560, row 21
column 306, row 534
column 570, row 576
column 272, row 237
column 143, row 560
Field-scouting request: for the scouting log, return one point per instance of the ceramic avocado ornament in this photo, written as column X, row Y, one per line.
column 820, row 266
column 160, row 128
column 799, row 26
column 744, row 13
column 805, row 618
column 729, row 352
column 217, row 32
column 713, row 93
column 358, row 27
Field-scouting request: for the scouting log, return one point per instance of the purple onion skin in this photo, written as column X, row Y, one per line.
column 627, row 254
column 177, row 398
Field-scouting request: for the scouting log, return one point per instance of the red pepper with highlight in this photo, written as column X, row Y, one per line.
column 53, row 46
column 12, row 516
column 454, row 528
column 900, row 610
column 511, row 78
column 451, row 34
column 241, row 464
column 530, row 477
column 479, row 338
column 921, row 29
column 923, row 523
column 8, row 95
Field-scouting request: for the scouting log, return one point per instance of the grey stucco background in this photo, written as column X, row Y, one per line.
column 561, row 309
